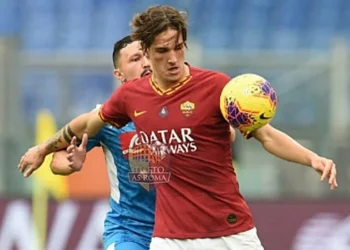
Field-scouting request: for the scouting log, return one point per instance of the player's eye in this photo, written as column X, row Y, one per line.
column 135, row 59
column 179, row 46
column 162, row 50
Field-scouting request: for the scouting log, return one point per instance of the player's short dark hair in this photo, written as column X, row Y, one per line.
column 155, row 20
column 118, row 46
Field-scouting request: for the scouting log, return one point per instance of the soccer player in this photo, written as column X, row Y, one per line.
column 200, row 207
column 129, row 224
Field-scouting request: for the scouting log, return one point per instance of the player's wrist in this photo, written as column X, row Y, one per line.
column 43, row 150
column 310, row 158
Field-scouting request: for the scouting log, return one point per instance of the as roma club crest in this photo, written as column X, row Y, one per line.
column 187, row 108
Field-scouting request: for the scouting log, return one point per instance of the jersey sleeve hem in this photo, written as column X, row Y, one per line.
column 100, row 114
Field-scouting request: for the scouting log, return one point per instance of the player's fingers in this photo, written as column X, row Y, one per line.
column 326, row 170
column 29, row 171
column 70, row 157
column 20, row 162
column 334, row 184
column 23, row 165
column 70, row 148
column 333, row 177
column 84, row 141
column 333, row 174
column 73, row 141
column 19, row 166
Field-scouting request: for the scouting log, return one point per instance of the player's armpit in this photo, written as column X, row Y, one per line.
column 59, row 164
column 232, row 134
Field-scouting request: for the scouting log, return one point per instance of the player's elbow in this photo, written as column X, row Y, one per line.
column 59, row 164
column 55, row 170
column 61, row 170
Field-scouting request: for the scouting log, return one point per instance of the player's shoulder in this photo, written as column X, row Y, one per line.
column 136, row 83
column 125, row 91
column 97, row 107
column 206, row 73
column 210, row 78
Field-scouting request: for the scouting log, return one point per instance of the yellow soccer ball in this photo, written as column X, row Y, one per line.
column 248, row 102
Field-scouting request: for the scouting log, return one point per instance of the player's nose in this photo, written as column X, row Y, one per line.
column 145, row 63
column 172, row 57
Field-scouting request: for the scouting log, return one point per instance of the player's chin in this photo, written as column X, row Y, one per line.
column 174, row 77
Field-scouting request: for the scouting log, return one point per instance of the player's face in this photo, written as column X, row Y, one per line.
column 132, row 63
column 167, row 56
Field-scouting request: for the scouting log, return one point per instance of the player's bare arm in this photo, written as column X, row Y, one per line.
column 59, row 164
column 89, row 123
column 66, row 162
column 232, row 134
column 283, row 146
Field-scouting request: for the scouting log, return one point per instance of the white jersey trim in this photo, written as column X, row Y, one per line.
column 112, row 173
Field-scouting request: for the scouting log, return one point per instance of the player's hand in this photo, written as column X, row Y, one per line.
column 31, row 161
column 326, row 168
column 77, row 154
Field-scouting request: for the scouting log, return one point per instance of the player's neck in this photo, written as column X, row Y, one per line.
column 165, row 85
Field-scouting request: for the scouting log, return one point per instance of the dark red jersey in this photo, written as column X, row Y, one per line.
column 201, row 199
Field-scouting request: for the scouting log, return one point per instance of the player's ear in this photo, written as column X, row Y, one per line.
column 119, row 75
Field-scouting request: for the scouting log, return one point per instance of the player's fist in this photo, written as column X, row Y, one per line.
column 31, row 161
column 77, row 154
column 327, row 170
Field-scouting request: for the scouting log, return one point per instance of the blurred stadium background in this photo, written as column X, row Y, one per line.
column 55, row 55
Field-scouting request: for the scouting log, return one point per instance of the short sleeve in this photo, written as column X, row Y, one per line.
column 113, row 111
column 221, row 80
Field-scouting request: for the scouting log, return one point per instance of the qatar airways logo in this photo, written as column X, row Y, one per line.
column 176, row 142
column 150, row 154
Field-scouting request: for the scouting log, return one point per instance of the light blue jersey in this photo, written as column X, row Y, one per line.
column 131, row 217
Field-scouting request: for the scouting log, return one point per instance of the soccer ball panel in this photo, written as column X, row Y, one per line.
column 248, row 102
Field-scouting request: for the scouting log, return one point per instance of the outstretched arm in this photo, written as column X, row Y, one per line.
column 89, row 123
column 113, row 111
column 283, row 146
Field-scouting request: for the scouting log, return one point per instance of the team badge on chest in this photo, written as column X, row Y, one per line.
column 187, row 108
